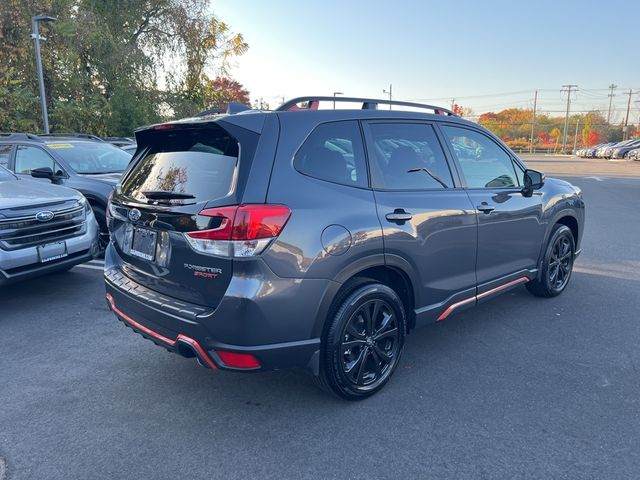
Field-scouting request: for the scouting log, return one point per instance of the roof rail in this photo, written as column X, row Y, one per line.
column 367, row 104
column 19, row 136
column 75, row 135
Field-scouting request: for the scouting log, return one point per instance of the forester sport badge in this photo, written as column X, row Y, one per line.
column 134, row 214
column 44, row 216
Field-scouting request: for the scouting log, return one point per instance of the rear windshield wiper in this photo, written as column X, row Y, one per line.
column 165, row 195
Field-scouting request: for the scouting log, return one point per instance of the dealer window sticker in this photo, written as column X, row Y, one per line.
column 59, row 145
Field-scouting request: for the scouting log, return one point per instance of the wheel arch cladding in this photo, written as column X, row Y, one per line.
column 572, row 223
column 392, row 277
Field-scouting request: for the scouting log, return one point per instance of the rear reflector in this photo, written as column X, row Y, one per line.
column 239, row 360
column 241, row 231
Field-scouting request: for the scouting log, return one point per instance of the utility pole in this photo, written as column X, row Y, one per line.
column 390, row 92
column 575, row 138
column 626, row 118
column 35, row 34
column 533, row 120
column 568, row 89
column 612, row 87
column 334, row 98
column 453, row 102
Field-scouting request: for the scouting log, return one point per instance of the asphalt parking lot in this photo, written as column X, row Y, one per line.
column 518, row 387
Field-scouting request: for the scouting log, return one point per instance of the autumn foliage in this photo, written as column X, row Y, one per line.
column 514, row 126
column 222, row 90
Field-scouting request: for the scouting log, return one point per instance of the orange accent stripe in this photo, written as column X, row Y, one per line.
column 196, row 346
column 502, row 287
column 453, row 306
column 198, row 349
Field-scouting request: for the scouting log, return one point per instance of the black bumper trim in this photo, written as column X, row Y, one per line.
column 271, row 356
column 25, row 273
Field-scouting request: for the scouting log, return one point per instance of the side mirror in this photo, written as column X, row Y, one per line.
column 42, row 172
column 46, row 172
column 533, row 180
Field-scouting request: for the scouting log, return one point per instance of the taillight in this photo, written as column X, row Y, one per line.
column 242, row 231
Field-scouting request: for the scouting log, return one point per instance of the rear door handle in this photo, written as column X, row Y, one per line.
column 399, row 216
column 486, row 208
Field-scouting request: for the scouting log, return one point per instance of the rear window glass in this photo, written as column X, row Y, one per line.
column 201, row 164
column 334, row 152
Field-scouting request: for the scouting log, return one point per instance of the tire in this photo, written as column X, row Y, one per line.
column 103, row 231
column 557, row 264
column 363, row 342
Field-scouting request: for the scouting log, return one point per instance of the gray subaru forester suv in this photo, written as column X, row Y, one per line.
column 319, row 238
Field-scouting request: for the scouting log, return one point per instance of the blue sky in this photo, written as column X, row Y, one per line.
column 486, row 54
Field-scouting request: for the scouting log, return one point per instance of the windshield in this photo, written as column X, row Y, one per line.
column 92, row 157
column 5, row 175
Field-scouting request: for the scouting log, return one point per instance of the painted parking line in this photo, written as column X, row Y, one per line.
column 596, row 178
column 96, row 262
column 90, row 267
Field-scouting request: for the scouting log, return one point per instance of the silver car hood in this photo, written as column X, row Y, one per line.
column 23, row 193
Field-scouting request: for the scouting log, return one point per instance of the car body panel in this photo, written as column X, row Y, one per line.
column 452, row 254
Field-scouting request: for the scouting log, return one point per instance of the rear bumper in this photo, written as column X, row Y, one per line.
column 266, row 326
column 271, row 357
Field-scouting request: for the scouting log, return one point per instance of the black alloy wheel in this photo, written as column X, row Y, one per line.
column 370, row 343
column 363, row 341
column 557, row 264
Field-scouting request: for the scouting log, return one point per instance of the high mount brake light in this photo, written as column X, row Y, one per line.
column 243, row 230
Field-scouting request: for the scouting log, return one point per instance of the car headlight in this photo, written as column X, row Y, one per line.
column 85, row 203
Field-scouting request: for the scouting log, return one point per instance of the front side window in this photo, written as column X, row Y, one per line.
column 406, row 156
column 484, row 164
column 30, row 158
column 334, row 153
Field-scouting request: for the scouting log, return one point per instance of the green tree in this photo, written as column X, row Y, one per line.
column 104, row 62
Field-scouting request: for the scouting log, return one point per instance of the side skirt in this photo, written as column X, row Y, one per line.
column 469, row 298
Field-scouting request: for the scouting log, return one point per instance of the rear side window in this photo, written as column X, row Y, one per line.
column 407, row 156
column 334, row 153
column 200, row 163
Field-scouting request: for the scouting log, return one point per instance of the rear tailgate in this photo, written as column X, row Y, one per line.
column 180, row 170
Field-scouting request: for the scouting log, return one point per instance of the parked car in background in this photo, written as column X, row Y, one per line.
column 83, row 162
column 634, row 154
column 591, row 152
column 608, row 151
column 130, row 149
column 120, row 141
column 623, row 151
column 269, row 240
column 44, row 228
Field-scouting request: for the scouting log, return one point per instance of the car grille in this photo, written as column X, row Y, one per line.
column 25, row 231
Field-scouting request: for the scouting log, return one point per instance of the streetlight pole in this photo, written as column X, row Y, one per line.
column 334, row 98
column 390, row 92
column 35, row 34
